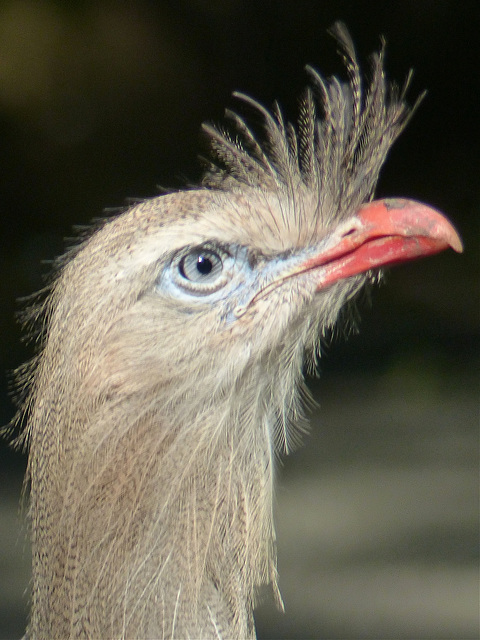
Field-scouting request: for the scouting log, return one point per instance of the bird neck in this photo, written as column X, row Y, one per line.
column 160, row 531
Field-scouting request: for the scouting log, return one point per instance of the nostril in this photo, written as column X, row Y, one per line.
column 349, row 228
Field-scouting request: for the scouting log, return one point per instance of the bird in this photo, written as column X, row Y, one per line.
column 170, row 375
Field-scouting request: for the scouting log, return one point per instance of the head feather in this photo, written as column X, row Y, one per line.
column 343, row 135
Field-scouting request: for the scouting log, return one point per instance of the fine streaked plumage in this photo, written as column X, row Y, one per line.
column 170, row 374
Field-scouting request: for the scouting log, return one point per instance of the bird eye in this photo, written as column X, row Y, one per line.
column 201, row 266
column 202, row 270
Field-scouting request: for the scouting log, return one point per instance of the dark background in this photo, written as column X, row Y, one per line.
column 100, row 101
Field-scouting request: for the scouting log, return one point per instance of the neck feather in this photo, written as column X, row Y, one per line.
column 143, row 529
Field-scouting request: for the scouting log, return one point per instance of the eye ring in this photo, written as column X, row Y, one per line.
column 201, row 270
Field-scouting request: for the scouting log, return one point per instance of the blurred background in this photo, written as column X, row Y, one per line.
column 377, row 516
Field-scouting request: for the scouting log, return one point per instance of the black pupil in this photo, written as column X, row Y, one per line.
column 204, row 265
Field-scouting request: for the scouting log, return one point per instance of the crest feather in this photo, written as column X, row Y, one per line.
column 337, row 148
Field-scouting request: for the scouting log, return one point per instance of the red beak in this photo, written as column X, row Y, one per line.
column 384, row 232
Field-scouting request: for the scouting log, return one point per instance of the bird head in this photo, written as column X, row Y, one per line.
column 219, row 291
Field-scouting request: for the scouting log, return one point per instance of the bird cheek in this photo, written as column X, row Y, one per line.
column 263, row 325
column 114, row 372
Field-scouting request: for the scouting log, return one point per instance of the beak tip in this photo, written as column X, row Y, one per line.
column 456, row 243
column 420, row 218
column 448, row 234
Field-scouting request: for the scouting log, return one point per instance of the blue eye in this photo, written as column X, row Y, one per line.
column 201, row 266
column 202, row 270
